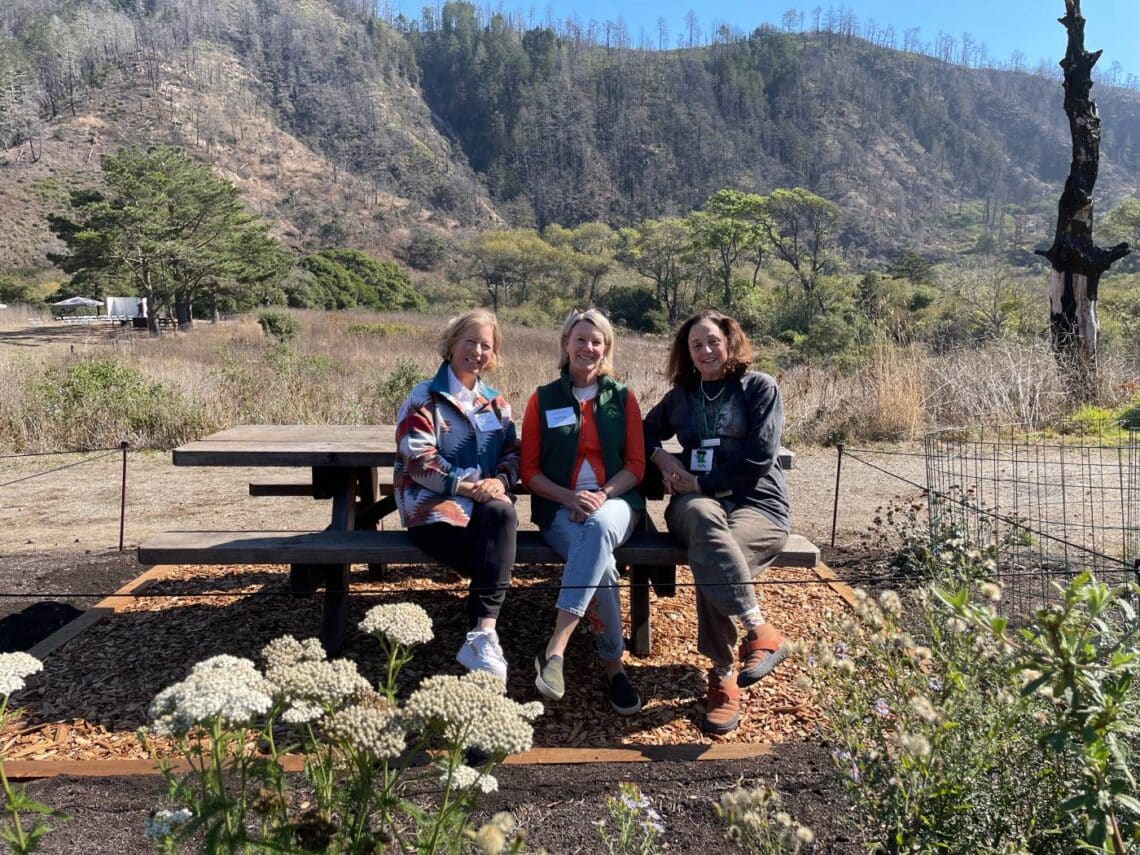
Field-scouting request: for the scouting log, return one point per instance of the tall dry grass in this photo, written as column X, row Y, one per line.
column 350, row 368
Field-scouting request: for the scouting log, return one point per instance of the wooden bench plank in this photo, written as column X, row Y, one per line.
column 396, row 547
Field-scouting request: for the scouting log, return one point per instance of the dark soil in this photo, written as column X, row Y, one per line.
column 557, row 806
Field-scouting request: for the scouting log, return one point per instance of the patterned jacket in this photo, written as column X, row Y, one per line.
column 435, row 440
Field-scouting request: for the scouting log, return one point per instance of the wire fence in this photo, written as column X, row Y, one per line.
column 1053, row 505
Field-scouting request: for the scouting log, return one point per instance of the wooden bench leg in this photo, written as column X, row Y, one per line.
column 335, row 612
column 640, row 631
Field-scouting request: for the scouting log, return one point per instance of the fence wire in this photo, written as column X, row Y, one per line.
column 1055, row 505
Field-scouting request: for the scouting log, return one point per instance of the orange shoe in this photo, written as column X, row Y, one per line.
column 760, row 652
column 722, row 707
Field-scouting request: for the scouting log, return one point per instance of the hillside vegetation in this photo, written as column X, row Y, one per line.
column 345, row 129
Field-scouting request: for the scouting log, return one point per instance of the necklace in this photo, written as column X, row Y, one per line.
column 711, row 398
column 709, row 413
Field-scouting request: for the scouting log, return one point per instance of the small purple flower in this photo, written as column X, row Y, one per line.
column 882, row 708
column 841, row 649
column 634, row 804
column 935, row 684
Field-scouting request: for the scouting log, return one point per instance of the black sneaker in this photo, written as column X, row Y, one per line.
column 623, row 696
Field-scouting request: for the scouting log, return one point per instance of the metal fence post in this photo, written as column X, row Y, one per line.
column 124, row 445
column 835, row 507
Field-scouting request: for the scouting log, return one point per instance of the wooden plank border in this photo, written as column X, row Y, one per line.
column 842, row 588
column 104, row 608
column 33, row 769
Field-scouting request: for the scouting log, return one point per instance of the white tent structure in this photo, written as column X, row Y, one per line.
column 77, row 302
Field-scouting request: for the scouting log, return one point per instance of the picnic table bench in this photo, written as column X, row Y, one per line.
column 351, row 465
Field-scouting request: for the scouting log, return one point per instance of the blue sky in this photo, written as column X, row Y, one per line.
column 1002, row 25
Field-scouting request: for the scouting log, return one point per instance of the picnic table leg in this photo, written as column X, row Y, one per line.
column 334, row 614
column 640, row 631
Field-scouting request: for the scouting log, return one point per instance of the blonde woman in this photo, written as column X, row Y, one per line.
column 583, row 457
column 457, row 459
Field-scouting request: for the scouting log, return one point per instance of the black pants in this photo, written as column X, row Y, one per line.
column 483, row 550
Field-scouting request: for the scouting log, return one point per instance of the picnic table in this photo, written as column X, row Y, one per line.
column 345, row 463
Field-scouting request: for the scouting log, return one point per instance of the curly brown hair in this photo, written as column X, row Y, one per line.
column 681, row 368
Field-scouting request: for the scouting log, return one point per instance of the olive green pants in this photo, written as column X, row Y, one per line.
column 728, row 548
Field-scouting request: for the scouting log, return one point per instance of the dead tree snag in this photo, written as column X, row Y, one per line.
column 1077, row 262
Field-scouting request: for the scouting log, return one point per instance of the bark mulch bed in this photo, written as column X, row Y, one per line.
column 94, row 691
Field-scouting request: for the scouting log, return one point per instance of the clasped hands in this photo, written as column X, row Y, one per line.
column 677, row 479
column 585, row 502
column 485, row 490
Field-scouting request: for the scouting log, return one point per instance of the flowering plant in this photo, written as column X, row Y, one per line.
column 757, row 822
column 1081, row 660
column 637, row 827
column 15, row 668
column 932, row 738
column 234, row 723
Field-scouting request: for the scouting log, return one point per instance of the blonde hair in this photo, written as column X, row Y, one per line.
column 458, row 325
column 602, row 324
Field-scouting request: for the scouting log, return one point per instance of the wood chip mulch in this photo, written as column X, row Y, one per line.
column 94, row 692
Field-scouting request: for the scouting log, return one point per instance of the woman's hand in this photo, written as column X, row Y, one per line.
column 680, row 483
column 585, row 502
column 486, row 490
column 668, row 464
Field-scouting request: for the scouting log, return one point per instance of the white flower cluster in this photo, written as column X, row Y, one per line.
column 222, row 687
column 912, row 745
column 309, row 685
column 921, row 706
column 472, row 712
column 306, row 680
column 373, row 728
column 464, row 777
column 287, row 650
column 14, row 668
column 402, row 623
column 162, row 824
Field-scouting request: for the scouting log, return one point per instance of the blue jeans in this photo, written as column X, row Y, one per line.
column 591, row 572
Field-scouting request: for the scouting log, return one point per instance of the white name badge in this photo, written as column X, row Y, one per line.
column 702, row 460
column 561, row 417
column 711, row 443
column 487, row 421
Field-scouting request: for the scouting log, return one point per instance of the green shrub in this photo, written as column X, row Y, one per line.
column 278, row 325
column 933, row 739
column 98, row 403
column 383, row 329
column 393, row 389
column 636, row 309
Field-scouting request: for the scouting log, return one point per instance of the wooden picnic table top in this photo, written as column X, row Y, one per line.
column 311, row 445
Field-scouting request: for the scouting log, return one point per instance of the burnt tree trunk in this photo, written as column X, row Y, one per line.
column 1078, row 263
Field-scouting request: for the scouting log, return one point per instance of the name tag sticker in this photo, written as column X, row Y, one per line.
column 710, row 443
column 561, row 417
column 487, row 422
column 702, row 460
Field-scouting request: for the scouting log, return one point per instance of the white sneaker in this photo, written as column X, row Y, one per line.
column 481, row 652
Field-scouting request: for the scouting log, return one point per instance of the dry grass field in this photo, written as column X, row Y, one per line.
column 355, row 368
